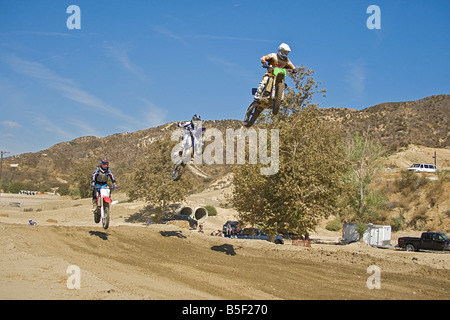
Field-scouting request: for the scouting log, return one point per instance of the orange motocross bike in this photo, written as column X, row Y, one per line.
column 103, row 211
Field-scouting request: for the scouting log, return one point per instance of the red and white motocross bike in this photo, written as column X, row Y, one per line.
column 104, row 201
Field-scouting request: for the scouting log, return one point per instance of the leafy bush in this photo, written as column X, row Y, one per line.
column 334, row 225
column 397, row 222
column 211, row 211
column 64, row 190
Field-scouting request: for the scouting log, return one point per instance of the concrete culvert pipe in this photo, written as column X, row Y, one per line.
column 200, row 214
column 186, row 211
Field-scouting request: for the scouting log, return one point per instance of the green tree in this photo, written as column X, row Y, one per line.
column 297, row 97
column 151, row 179
column 364, row 157
column 16, row 186
column 311, row 168
column 63, row 190
column 81, row 176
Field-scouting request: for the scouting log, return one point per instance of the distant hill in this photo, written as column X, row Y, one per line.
column 53, row 165
column 423, row 122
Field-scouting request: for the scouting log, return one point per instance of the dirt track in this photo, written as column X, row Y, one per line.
column 169, row 263
column 132, row 261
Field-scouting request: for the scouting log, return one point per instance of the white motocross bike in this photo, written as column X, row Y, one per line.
column 191, row 144
column 103, row 211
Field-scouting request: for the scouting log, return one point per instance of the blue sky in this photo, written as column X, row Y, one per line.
column 141, row 63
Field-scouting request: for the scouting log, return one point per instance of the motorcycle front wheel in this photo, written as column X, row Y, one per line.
column 106, row 216
column 252, row 114
column 177, row 170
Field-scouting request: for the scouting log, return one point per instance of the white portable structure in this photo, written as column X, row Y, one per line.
column 376, row 235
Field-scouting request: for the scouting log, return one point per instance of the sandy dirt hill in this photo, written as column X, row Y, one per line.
column 418, row 154
column 133, row 260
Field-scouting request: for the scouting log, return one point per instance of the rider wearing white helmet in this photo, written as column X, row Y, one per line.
column 279, row 60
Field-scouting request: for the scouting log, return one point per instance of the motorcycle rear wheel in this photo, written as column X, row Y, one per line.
column 252, row 114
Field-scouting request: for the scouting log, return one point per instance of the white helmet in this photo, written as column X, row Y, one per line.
column 283, row 51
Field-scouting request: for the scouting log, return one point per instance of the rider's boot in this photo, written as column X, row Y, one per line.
column 259, row 91
column 94, row 206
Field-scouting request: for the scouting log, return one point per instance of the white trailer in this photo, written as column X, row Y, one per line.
column 377, row 235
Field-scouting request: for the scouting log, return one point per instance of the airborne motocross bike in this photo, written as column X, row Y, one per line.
column 191, row 144
column 272, row 95
column 103, row 211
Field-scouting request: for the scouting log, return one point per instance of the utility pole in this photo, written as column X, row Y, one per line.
column 1, row 167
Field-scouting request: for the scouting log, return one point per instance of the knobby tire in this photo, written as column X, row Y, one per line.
column 106, row 214
column 177, row 170
column 252, row 114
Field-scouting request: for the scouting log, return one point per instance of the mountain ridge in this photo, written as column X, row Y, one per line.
column 395, row 125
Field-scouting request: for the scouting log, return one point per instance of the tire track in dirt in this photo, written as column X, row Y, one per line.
column 164, row 262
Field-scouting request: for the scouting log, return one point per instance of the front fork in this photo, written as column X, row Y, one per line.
column 277, row 80
column 271, row 85
column 100, row 205
column 268, row 84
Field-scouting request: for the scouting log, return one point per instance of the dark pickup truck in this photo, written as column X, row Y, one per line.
column 428, row 241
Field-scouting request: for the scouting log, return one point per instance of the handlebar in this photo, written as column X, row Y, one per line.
column 266, row 66
column 104, row 187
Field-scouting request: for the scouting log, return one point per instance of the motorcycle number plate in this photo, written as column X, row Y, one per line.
column 277, row 71
column 105, row 192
